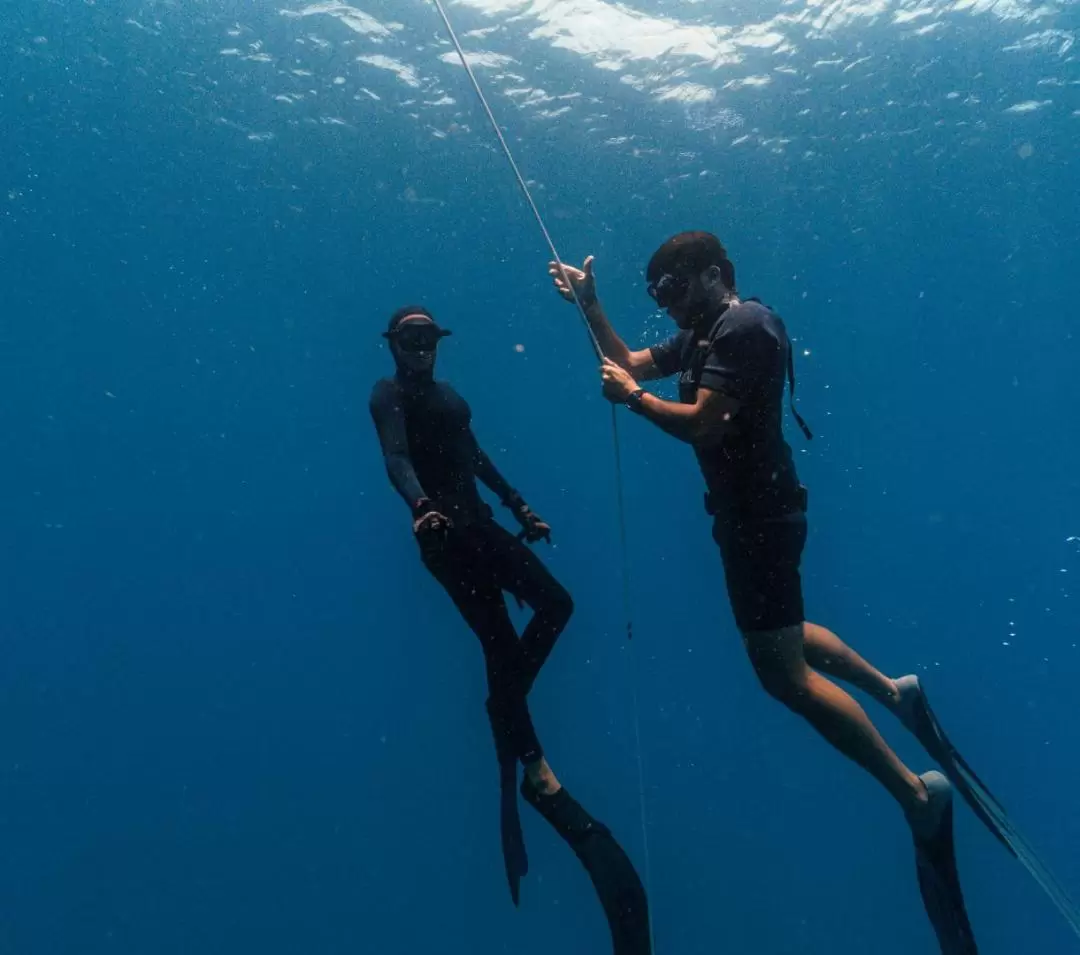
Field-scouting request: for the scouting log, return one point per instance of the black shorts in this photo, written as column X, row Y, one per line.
column 761, row 565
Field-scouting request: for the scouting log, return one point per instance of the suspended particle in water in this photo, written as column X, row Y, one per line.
column 1026, row 151
column 519, row 348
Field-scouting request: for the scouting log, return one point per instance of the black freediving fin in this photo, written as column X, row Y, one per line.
column 920, row 719
column 939, row 882
column 515, row 857
column 617, row 885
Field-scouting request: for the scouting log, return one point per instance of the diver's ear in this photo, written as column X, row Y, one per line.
column 713, row 277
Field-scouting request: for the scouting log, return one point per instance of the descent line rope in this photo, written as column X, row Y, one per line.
column 620, row 501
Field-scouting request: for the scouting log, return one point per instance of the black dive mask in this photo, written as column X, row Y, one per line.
column 669, row 289
column 417, row 336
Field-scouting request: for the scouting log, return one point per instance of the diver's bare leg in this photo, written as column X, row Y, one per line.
column 778, row 659
column 826, row 652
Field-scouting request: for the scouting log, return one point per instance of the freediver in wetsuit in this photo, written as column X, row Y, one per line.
column 433, row 460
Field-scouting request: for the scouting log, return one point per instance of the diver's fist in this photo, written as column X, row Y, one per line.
column 427, row 521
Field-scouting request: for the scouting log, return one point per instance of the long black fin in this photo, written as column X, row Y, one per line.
column 984, row 804
column 939, row 884
column 515, row 856
column 617, row 884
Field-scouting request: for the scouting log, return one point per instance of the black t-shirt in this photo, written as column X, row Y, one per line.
column 744, row 355
column 426, row 435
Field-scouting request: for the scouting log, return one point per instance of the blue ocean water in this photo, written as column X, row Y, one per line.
column 238, row 716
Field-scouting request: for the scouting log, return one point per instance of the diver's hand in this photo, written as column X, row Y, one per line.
column 618, row 383
column 532, row 528
column 428, row 522
column 584, row 281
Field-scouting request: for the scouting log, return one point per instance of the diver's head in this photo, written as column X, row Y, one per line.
column 414, row 337
column 691, row 277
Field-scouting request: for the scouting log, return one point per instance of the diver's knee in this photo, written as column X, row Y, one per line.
column 784, row 687
column 561, row 607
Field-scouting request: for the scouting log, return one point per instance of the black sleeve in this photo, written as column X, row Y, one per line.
column 745, row 357
column 667, row 355
column 389, row 417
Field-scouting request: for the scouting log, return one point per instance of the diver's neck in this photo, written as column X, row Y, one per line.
column 726, row 301
column 716, row 310
column 415, row 379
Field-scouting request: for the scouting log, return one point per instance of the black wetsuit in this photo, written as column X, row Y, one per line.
column 432, row 456
column 754, row 495
column 431, row 453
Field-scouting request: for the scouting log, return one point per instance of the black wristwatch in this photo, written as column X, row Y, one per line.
column 633, row 401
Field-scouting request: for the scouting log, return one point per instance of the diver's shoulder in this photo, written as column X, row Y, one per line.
column 383, row 387
column 753, row 314
column 751, row 310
